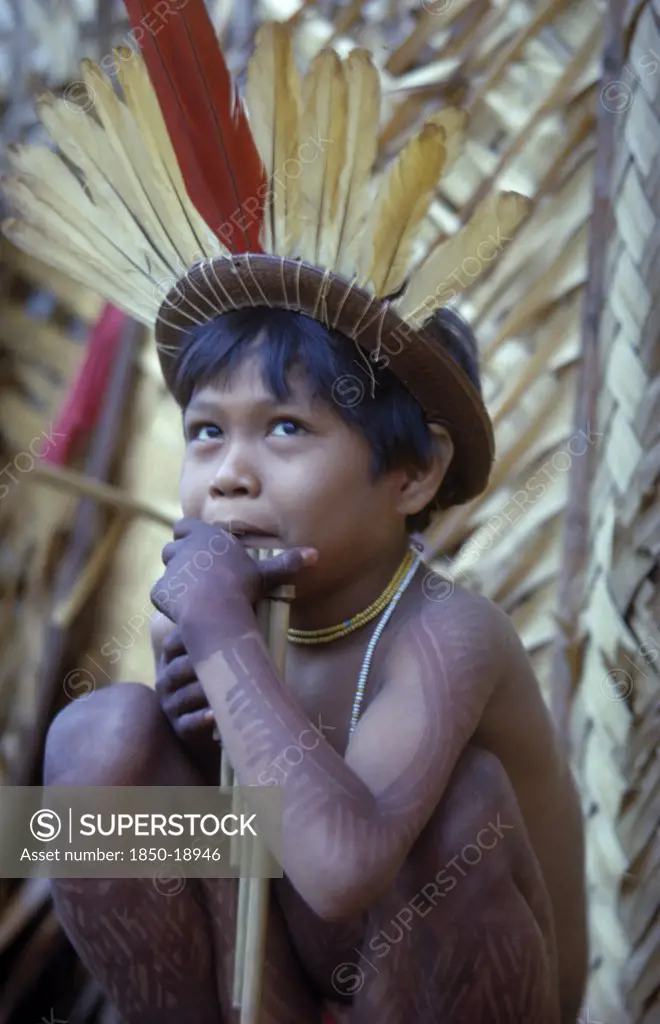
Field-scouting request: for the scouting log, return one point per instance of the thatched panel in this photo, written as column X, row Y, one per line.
column 615, row 722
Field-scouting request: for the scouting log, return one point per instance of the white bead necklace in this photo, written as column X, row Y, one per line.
column 371, row 646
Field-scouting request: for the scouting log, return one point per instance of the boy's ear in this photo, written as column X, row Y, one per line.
column 421, row 484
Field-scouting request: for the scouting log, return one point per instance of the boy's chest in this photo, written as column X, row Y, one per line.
column 326, row 697
column 325, row 683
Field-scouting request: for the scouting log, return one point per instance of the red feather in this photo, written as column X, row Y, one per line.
column 205, row 119
column 84, row 400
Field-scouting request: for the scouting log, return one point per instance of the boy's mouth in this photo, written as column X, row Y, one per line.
column 258, row 540
column 249, row 534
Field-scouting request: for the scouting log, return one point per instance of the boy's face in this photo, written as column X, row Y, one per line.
column 293, row 469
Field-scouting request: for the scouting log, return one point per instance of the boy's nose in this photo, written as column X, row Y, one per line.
column 234, row 477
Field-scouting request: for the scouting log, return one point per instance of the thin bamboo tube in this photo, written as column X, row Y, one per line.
column 276, row 632
column 236, row 844
column 256, row 927
column 253, row 892
column 242, row 908
column 226, row 774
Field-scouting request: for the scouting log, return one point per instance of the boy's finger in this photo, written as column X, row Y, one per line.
column 173, row 646
column 169, row 551
column 179, row 672
column 182, row 527
column 169, row 682
column 281, row 568
column 192, row 724
column 162, row 599
column 210, row 718
column 187, row 699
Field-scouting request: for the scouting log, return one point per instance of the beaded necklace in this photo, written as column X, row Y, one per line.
column 366, row 664
column 329, row 633
column 388, row 600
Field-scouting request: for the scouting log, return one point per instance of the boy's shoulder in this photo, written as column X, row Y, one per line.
column 445, row 604
column 443, row 664
column 450, row 624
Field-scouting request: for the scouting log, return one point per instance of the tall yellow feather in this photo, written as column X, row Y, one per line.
column 354, row 195
column 439, row 278
column 274, row 101
column 50, row 223
column 402, row 202
column 50, row 183
column 323, row 133
column 118, row 289
column 193, row 238
column 454, row 122
column 129, row 231
column 27, row 197
column 85, row 142
column 138, row 176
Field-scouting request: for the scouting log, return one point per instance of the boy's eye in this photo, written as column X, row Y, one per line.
column 204, row 432
column 288, row 423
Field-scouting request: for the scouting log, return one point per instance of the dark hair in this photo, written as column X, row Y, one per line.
column 368, row 396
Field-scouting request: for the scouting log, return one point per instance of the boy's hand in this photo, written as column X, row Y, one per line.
column 185, row 706
column 206, row 567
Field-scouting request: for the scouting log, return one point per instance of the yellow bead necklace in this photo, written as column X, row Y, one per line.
column 329, row 633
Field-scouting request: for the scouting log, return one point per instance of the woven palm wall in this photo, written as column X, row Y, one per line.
column 44, row 322
column 616, row 713
column 528, row 72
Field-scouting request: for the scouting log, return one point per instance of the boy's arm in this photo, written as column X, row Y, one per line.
column 182, row 698
column 349, row 823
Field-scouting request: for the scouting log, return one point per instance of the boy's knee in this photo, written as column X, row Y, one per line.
column 479, row 818
column 485, row 770
column 480, row 787
column 104, row 740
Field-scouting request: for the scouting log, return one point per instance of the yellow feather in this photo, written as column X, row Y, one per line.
column 274, row 100
column 129, row 230
column 323, row 131
column 190, row 234
column 45, row 182
column 354, row 195
column 117, row 214
column 454, row 122
column 402, row 203
column 138, row 175
column 31, row 199
column 445, row 271
column 80, row 138
column 45, row 231
column 87, row 145
column 127, row 294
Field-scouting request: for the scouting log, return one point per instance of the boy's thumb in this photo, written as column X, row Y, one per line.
column 282, row 567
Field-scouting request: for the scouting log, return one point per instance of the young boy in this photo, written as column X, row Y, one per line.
column 432, row 840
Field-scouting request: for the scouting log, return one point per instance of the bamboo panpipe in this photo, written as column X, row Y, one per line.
column 252, row 910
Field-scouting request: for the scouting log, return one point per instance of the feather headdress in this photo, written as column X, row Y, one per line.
column 177, row 203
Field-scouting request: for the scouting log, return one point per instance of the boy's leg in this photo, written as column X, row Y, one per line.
column 466, row 937
column 287, row 997
column 162, row 953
